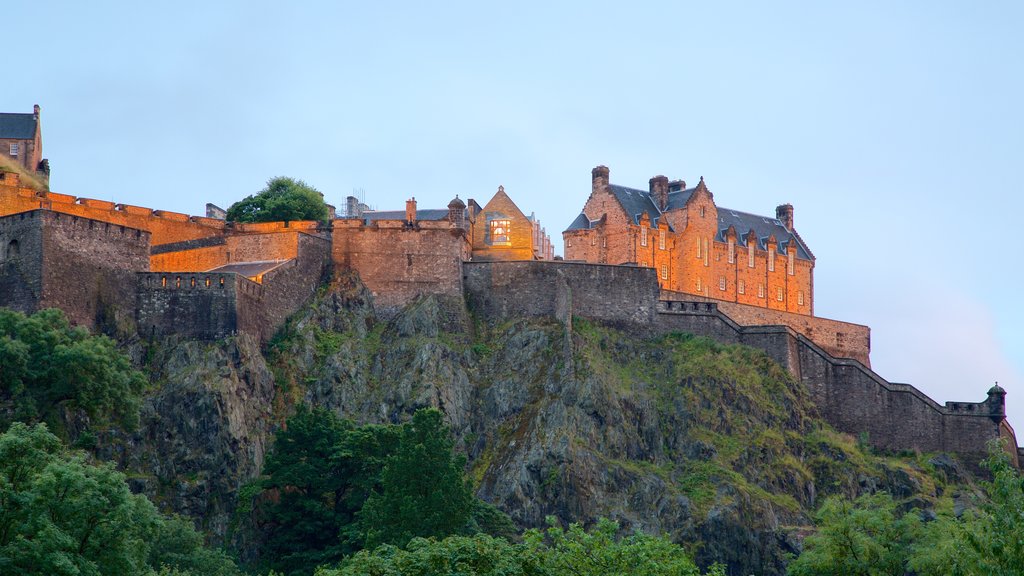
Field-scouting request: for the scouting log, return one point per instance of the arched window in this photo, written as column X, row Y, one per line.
column 12, row 249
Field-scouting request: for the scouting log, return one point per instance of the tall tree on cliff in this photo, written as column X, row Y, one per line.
column 283, row 199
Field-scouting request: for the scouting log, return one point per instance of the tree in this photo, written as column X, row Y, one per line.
column 862, row 538
column 423, row 489
column 283, row 199
column 49, row 366
column 61, row 515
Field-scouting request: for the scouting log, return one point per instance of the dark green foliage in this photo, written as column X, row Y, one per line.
column 61, row 515
column 283, row 199
column 424, row 491
column 554, row 552
column 48, row 367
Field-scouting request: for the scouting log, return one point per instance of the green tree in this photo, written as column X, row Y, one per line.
column 61, row 515
column 283, row 199
column 423, row 489
column 862, row 538
column 48, row 366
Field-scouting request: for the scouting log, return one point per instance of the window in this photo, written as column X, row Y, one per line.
column 701, row 211
column 568, row 243
column 14, row 149
column 500, row 233
column 750, row 255
column 800, row 298
column 732, row 252
column 664, row 271
column 760, row 290
column 643, row 236
column 699, row 288
column 705, row 240
column 771, row 259
column 779, row 295
column 721, row 283
column 698, row 248
column 741, row 287
column 789, row 262
column 643, row 263
column 593, row 241
column 661, row 239
column 12, row 249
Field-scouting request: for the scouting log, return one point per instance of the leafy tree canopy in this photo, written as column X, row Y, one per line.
column 554, row 552
column 283, row 199
column 330, row 487
column 48, row 366
column 61, row 515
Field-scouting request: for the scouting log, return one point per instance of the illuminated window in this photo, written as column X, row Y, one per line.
column 664, row 271
column 789, row 264
column 643, row 263
column 699, row 288
column 760, row 290
column 800, row 298
column 643, row 236
column 568, row 243
column 661, row 240
column 705, row 240
column 741, row 287
column 779, row 295
column 771, row 259
column 500, row 233
column 14, row 149
column 750, row 255
column 593, row 241
column 721, row 283
column 732, row 252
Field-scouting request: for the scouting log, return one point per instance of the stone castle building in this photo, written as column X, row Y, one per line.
column 649, row 262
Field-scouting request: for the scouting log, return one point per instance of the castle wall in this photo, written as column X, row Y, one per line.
column 90, row 265
column 398, row 262
column 290, row 286
column 21, row 258
column 839, row 339
column 190, row 305
column 624, row 296
column 848, row 394
column 208, row 253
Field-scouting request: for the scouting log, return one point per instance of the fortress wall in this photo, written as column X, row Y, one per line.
column 282, row 245
column 190, row 305
column 198, row 259
column 398, row 263
column 21, row 264
column 292, row 285
column 623, row 296
column 90, row 265
column 840, row 339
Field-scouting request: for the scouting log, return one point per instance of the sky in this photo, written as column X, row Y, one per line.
column 895, row 129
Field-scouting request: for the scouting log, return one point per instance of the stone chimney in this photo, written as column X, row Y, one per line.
column 784, row 214
column 410, row 210
column 457, row 212
column 659, row 191
column 35, row 111
column 599, row 178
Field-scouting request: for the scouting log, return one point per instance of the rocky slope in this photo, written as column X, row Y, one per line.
column 716, row 446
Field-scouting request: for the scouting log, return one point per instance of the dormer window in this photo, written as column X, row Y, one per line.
column 789, row 263
column 771, row 259
column 500, row 233
column 732, row 251
column 750, row 254
column 643, row 236
column 661, row 239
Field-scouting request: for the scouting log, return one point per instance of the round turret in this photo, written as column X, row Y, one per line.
column 996, row 390
column 456, row 203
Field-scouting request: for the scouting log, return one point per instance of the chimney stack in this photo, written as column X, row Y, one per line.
column 659, row 191
column 410, row 210
column 784, row 214
column 599, row 178
column 35, row 111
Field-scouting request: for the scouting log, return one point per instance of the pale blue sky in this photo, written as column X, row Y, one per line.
column 894, row 128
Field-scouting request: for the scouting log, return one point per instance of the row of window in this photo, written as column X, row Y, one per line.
column 661, row 238
column 741, row 288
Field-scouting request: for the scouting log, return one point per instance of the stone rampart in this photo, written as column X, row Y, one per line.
column 850, row 396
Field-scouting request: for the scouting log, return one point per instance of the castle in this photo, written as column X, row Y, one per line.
column 646, row 262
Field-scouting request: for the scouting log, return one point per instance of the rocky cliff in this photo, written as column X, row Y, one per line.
column 715, row 445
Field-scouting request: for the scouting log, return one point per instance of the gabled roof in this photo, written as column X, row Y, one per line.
column 425, row 214
column 580, row 223
column 679, row 198
column 17, row 126
column 636, row 202
column 764, row 227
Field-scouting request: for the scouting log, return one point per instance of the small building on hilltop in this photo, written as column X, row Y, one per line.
column 21, row 141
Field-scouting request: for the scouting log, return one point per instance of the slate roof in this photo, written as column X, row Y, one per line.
column 250, row 269
column 17, row 126
column 763, row 227
column 426, row 214
column 636, row 202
